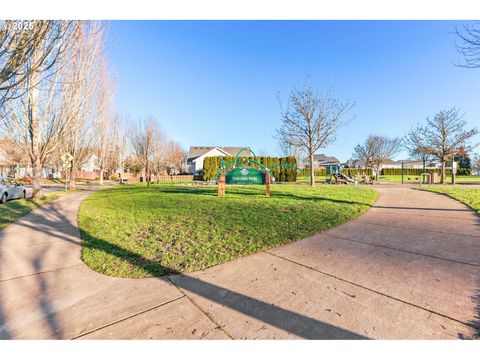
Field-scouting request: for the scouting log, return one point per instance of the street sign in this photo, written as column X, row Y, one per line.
column 245, row 175
column 67, row 160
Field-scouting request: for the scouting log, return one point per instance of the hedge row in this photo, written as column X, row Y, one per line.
column 384, row 172
column 281, row 174
column 416, row 172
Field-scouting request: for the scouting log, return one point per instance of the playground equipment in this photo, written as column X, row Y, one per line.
column 343, row 179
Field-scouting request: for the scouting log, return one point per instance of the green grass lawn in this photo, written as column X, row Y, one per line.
column 132, row 231
column 12, row 210
column 469, row 196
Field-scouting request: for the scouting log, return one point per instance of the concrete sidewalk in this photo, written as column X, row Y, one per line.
column 409, row 268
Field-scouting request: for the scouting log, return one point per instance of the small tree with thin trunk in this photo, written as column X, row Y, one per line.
column 376, row 151
column 144, row 137
column 121, row 145
column 363, row 154
column 444, row 136
column 105, row 115
column 416, row 151
column 311, row 121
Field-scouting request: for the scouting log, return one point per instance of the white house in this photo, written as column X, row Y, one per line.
column 410, row 164
column 321, row 160
column 196, row 155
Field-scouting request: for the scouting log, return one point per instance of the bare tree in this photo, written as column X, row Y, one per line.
column 84, row 97
column 311, row 121
column 175, row 157
column 376, row 151
column 28, row 47
column 144, row 142
column 36, row 121
column 416, row 151
column 104, row 114
column 469, row 45
column 13, row 154
column 444, row 136
column 121, row 148
column 363, row 154
column 159, row 154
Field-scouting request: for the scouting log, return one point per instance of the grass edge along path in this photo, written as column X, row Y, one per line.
column 469, row 196
column 132, row 231
column 15, row 209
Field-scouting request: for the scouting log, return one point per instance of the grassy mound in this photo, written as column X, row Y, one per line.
column 132, row 231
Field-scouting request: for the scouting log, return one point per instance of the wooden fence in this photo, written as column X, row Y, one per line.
column 131, row 177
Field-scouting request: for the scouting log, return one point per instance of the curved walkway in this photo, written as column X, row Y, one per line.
column 407, row 268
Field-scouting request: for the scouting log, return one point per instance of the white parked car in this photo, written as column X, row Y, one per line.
column 10, row 190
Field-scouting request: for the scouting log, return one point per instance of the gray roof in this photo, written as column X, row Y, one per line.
column 323, row 159
column 196, row 151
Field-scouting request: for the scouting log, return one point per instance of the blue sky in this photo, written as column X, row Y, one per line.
column 216, row 82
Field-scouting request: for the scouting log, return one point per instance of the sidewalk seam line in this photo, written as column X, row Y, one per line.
column 127, row 317
column 402, row 250
column 416, row 229
column 386, row 211
column 40, row 272
column 210, row 317
column 375, row 291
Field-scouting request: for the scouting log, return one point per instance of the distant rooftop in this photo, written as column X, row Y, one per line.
column 196, row 151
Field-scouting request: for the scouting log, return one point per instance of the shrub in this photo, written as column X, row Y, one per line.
column 416, row 172
column 287, row 173
column 464, row 172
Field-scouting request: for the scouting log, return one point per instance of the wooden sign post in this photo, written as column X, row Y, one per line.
column 221, row 185
column 267, row 183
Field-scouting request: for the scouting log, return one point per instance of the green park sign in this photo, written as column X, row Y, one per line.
column 245, row 175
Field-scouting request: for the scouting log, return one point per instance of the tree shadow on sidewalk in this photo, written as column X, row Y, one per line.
column 5, row 332
column 287, row 320
column 292, row 322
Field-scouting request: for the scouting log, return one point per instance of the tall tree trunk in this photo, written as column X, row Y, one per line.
column 147, row 175
column 312, row 171
column 101, row 177
column 34, row 136
column 71, row 182
column 442, row 177
column 37, row 179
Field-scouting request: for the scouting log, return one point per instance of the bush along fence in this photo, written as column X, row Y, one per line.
column 416, row 172
column 211, row 165
column 384, row 172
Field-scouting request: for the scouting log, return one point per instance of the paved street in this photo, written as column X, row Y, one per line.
column 409, row 268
